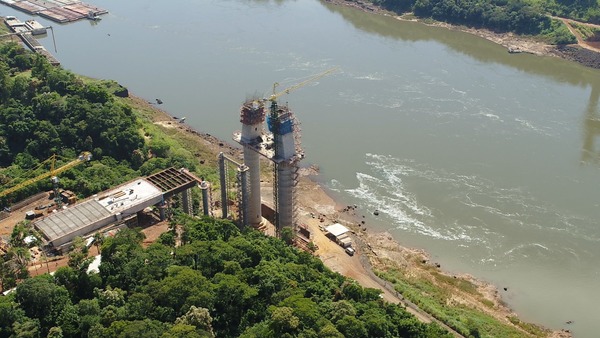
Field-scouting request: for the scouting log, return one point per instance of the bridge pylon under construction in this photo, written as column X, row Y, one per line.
column 280, row 145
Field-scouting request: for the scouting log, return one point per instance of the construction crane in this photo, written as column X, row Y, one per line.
column 286, row 153
column 274, row 110
column 83, row 157
column 275, row 95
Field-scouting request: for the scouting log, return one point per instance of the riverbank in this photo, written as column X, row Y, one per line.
column 513, row 43
column 378, row 254
column 410, row 273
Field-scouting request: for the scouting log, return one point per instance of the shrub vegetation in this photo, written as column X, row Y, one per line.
column 528, row 17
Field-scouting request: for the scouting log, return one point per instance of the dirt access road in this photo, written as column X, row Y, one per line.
column 335, row 258
column 593, row 46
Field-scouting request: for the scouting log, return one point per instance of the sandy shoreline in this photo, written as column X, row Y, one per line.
column 375, row 251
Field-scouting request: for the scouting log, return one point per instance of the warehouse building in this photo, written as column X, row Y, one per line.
column 115, row 206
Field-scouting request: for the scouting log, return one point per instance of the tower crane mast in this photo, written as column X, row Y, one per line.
column 83, row 157
column 287, row 152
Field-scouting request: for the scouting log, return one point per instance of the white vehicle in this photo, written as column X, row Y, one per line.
column 350, row 251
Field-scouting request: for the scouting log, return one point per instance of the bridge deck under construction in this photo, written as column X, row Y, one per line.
column 172, row 181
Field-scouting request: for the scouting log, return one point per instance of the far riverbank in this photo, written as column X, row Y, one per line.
column 513, row 43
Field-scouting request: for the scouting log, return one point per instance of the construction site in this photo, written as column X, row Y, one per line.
column 58, row 217
column 280, row 145
column 270, row 137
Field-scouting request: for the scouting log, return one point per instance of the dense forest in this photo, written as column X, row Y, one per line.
column 529, row 17
column 219, row 283
column 46, row 110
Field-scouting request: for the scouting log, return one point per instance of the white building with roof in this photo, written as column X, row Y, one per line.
column 113, row 206
column 340, row 233
column 86, row 217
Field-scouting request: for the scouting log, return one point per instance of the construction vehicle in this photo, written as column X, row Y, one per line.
column 53, row 173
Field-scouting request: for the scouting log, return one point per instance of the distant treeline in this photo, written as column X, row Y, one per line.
column 519, row 16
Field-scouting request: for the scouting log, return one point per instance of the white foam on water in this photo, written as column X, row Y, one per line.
column 395, row 204
column 411, row 88
column 526, row 250
column 369, row 77
column 530, row 126
column 431, row 80
column 353, row 97
column 505, row 224
column 387, row 194
column 461, row 92
column 490, row 116
column 388, row 102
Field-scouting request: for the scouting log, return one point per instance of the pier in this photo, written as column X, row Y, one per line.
column 35, row 46
column 25, row 33
column 61, row 11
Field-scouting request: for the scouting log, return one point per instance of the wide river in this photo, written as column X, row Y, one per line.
column 488, row 160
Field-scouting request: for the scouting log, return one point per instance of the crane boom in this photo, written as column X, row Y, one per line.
column 84, row 157
column 274, row 96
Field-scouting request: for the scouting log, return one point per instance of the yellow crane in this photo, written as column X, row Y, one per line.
column 275, row 95
column 274, row 110
column 83, row 157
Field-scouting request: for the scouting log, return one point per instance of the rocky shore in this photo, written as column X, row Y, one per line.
column 580, row 55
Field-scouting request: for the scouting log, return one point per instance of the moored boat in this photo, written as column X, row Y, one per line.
column 93, row 16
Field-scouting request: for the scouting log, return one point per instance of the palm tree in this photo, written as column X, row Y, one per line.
column 19, row 260
column 98, row 241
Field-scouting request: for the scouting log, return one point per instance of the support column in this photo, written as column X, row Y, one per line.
column 252, row 116
column 285, row 191
column 252, row 161
column 223, row 181
column 244, row 192
column 204, row 186
column 188, row 206
column 162, row 210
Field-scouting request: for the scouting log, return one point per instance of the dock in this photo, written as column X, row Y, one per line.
column 25, row 31
column 35, row 27
column 61, row 11
column 35, row 46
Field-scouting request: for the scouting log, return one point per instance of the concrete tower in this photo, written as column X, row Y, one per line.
column 252, row 116
column 286, row 138
column 282, row 147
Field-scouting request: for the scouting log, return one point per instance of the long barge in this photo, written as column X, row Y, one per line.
column 61, row 11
